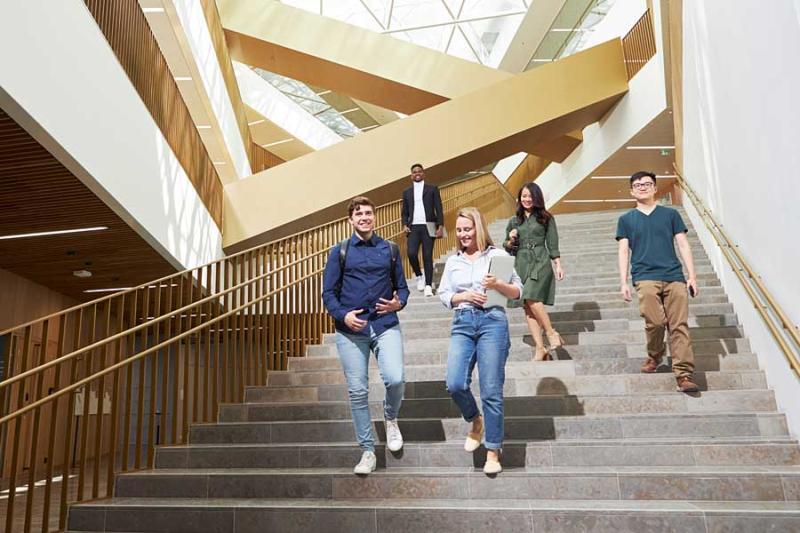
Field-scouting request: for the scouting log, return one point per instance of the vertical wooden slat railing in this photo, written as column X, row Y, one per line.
column 639, row 44
column 91, row 391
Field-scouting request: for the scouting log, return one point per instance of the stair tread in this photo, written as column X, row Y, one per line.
column 634, row 441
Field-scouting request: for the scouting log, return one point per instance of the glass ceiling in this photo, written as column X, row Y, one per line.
column 474, row 30
column 309, row 100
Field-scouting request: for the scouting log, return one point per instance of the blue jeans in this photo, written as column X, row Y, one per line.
column 354, row 355
column 481, row 336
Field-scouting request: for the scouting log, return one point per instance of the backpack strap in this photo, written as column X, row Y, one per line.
column 395, row 252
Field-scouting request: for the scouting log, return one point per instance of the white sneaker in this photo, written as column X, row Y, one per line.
column 367, row 463
column 394, row 439
column 420, row 283
column 428, row 290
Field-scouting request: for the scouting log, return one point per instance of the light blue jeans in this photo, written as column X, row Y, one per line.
column 354, row 355
column 479, row 336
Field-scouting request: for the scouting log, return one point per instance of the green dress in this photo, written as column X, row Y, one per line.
column 538, row 245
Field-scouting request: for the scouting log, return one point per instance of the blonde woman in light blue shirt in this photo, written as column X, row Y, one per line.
column 479, row 335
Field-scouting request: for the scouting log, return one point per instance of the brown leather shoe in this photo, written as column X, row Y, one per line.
column 685, row 384
column 650, row 366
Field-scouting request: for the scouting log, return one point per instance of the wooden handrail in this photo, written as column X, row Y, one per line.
column 751, row 283
column 197, row 338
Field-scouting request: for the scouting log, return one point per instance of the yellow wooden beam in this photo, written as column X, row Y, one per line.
column 456, row 136
column 365, row 65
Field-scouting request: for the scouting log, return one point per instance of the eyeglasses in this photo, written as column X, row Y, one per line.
column 642, row 186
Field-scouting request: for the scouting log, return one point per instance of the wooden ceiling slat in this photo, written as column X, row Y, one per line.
column 37, row 193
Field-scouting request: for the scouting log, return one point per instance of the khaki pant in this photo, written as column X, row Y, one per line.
column 665, row 305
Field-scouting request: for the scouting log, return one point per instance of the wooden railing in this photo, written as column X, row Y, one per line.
column 91, row 391
column 639, row 44
column 785, row 333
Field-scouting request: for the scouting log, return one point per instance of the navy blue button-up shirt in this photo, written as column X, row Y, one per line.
column 367, row 278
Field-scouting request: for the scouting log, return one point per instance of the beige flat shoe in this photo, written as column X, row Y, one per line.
column 473, row 440
column 492, row 466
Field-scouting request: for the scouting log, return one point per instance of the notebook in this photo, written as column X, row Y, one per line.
column 501, row 267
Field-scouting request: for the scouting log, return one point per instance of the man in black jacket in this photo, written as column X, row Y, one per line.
column 423, row 221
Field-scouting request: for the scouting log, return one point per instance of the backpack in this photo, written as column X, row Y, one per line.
column 395, row 251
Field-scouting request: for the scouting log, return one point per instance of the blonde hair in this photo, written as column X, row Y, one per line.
column 482, row 236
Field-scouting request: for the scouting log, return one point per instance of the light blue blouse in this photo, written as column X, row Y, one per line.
column 461, row 274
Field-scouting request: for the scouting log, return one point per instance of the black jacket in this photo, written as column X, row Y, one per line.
column 430, row 199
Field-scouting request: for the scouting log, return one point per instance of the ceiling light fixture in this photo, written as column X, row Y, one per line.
column 219, row 162
column 650, row 147
column 81, row 273
column 111, row 289
column 598, row 201
column 276, row 143
column 628, row 177
column 349, row 111
column 203, row 127
column 370, row 127
column 152, row 9
column 183, row 78
column 48, row 233
column 324, row 93
column 256, row 122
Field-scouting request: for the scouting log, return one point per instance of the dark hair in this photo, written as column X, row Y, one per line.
column 415, row 165
column 357, row 202
column 643, row 174
column 542, row 215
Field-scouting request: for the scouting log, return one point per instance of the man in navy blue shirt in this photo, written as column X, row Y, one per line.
column 646, row 237
column 363, row 294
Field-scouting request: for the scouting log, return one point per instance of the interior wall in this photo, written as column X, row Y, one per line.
column 740, row 84
column 22, row 300
column 66, row 87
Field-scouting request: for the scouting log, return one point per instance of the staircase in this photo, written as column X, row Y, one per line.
column 592, row 444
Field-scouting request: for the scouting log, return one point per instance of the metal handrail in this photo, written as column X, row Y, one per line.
column 751, row 282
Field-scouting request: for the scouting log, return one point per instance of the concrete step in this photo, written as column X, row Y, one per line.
column 517, row 317
column 396, row 515
column 644, row 452
column 514, row 370
column 630, row 312
column 547, row 405
column 762, row 483
column 599, row 300
column 718, row 425
column 328, row 359
column 539, row 386
column 583, row 338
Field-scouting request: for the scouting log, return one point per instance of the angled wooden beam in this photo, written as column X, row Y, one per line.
column 362, row 64
column 492, row 123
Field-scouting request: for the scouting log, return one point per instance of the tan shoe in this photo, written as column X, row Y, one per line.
column 473, row 440
column 685, row 384
column 541, row 354
column 554, row 339
column 650, row 366
column 492, row 466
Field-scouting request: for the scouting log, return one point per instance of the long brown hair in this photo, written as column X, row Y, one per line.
column 539, row 211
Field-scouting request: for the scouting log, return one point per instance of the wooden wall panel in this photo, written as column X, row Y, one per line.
column 22, row 300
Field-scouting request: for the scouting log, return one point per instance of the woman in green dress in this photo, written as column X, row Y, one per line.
column 532, row 233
